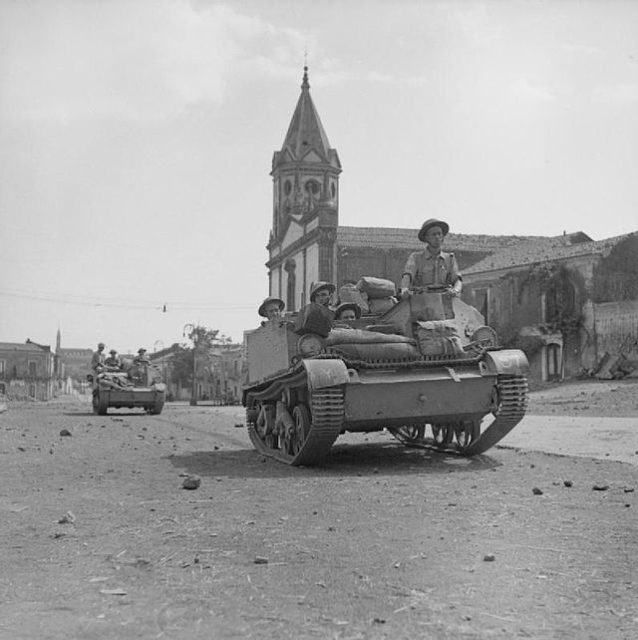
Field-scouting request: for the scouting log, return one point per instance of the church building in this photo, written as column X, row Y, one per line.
column 306, row 242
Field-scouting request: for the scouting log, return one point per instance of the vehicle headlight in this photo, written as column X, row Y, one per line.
column 310, row 344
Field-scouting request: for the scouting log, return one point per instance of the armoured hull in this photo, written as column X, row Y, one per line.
column 462, row 403
column 138, row 387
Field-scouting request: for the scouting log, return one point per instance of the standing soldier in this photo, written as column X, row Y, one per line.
column 432, row 267
column 98, row 357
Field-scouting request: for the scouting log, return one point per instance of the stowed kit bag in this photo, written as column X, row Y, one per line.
column 438, row 338
column 376, row 287
column 370, row 345
column 381, row 305
column 314, row 318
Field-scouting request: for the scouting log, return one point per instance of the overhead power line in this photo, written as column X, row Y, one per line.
column 120, row 303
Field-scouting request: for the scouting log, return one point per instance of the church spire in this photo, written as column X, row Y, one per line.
column 306, row 132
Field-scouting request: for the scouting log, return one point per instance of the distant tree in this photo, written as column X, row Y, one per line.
column 201, row 338
column 182, row 365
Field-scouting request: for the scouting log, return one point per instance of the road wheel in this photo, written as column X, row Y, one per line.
column 443, row 434
column 410, row 434
column 100, row 403
column 301, row 416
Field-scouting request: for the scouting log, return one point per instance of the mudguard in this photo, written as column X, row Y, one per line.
column 325, row 373
column 509, row 362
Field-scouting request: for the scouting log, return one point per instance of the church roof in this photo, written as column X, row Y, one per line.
column 305, row 132
column 392, row 238
column 545, row 249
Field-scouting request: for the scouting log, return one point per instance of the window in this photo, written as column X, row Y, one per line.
column 287, row 187
column 480, row 302
column 33, row 368
column 312, row 187
column 560, row 301
column 3, row 389
column 32, row 391
column 553, row 354
column 2, row 367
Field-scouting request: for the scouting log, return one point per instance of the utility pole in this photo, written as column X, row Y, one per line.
column 189, row 330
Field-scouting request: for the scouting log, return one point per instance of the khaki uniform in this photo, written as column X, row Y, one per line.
column 426, row 269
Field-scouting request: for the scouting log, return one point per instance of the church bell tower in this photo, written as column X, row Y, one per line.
column 305, row 174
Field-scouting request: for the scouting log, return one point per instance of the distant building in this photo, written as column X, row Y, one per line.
column 565, row 300
column 227, row 367
column 177, row 387
column 26, row 371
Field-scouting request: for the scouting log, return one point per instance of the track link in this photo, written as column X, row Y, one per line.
column 327, row 412
column 512, row 404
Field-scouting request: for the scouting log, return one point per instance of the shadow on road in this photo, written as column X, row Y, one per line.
column 373, row 459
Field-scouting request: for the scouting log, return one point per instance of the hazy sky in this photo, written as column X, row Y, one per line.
column 136, row 139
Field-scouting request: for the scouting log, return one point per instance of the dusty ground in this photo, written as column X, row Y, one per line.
column 591, row 397
column 381, row 542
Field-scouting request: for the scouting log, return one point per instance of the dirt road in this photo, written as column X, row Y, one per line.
column 100, row 540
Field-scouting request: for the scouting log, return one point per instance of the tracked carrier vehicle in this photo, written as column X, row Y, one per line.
column 304, row 389
column 131, row 386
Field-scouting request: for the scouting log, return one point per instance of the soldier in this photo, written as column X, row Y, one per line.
column 112, row 362
column 316, row 317
column 348, row 311
column 98, row 357
column 321, row 292
column 432, row 267
column 271, row 308
column 141, row 357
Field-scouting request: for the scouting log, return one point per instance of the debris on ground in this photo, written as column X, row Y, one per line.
column 489, row 557
column 67, row 518
column 600, row 487
column 537, row 492
column 65, row 432
column 260, row 560
column 191, row 482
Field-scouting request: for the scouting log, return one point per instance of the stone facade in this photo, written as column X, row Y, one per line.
column 26, row 371
column 543, row 296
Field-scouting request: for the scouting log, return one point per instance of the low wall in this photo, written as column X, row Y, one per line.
column 615, row 323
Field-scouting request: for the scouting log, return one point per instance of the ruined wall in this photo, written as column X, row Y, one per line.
column 616, row 322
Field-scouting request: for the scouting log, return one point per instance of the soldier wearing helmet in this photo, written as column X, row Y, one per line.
column 432, row 267
column 98, row 357
column 321, row 292
column 271, row 308
column 141, row 357
column 113, row 361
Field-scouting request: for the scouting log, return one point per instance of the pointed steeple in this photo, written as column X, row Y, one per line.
column 306, row 131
